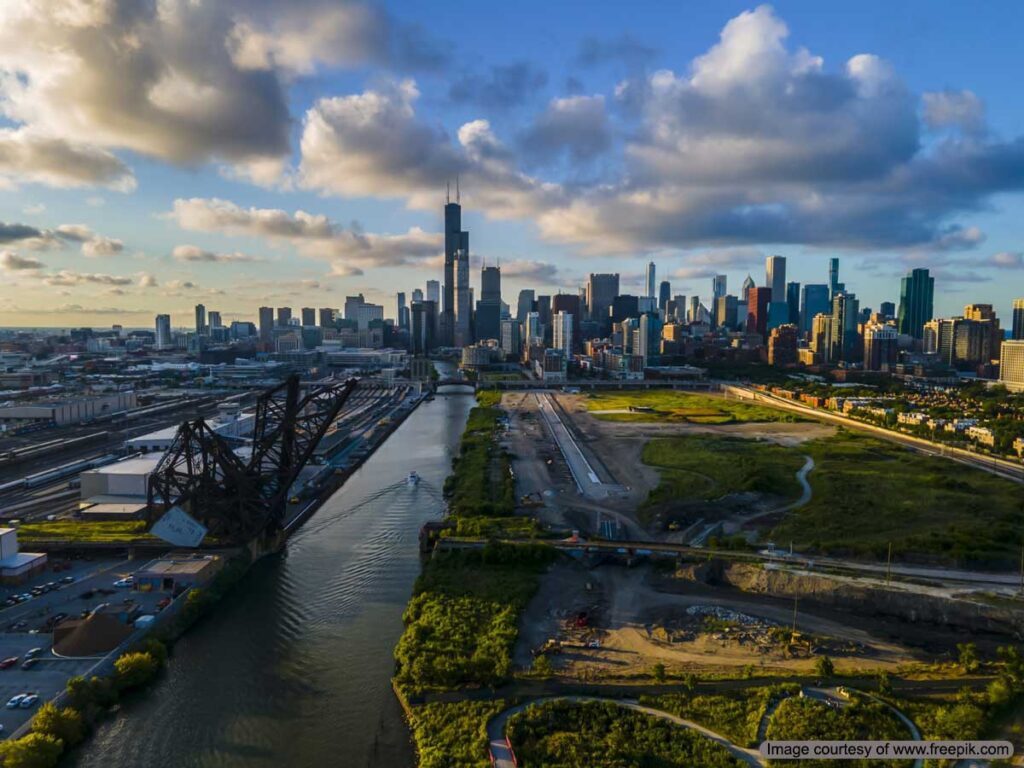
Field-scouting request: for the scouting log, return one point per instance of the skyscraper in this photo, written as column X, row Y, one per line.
column 326, row 317
column 601, row 291
column 718, row 287
column 490, row 284
column 845, row 339
column 834, row 286
column 916, row 293
column 1011, row 368
column 1018, row 320
column 266, row 323
column 434, row 292
column 308, row 316
column 525, row 304
column 793, row 302
column 200, row 318
column 284, row 316
column 214, row 320
column 664, row 294
column 463, row 294
column 417, row 293
column 813, row 301
column 775, row 276
column 563, row 338
column 568, row 303
column 745, row 290
column 163, row 339
column 880, row 349
column 651, row 280
column 758, row 300
column 456, row 275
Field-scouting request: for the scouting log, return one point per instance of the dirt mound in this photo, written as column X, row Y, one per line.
column 95, row 635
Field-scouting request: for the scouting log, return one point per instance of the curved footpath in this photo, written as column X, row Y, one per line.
column 502, row 755
column 805, row 494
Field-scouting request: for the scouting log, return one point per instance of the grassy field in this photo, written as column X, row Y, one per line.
column 674, row 406
column 868, row 493
column 76, row 530
column 701, row 468
column 481, row 482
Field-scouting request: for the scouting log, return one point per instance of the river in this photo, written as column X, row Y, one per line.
column 294, row 667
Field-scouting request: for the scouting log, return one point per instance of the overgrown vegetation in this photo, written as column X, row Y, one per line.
column 84, row 531
column 562, row 734
column 481, row 482
column 735, row 715
column 675, row 406
column 869, row 492
column 806, row 719
column 462, row 621
column 701, row 468
column 453, row 735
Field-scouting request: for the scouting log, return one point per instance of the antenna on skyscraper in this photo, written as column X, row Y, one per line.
column 448, row 191
column 458, row 197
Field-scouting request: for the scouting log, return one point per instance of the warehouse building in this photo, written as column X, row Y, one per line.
column 17, row 566
column 177, row 571
column 69, row 411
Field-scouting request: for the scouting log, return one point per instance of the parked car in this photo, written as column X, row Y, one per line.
column 126, row 583
column 9, row 662
column 29, row 701
column 15, row 701
column 68, row 580
column 29, row 664
column 34, row 652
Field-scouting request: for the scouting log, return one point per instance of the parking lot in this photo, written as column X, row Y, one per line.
column 28, row 625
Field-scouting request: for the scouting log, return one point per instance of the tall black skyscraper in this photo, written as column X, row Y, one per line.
column 793, row 302
column 917, row 291
column 664, row 294
column 490, row 284
column 453, row 241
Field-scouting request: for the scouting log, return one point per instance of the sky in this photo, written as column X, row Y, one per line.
column 155, row 154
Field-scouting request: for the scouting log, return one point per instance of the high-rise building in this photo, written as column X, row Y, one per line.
column 570, row 304
column 793, row 303
column 775, row 276
column 200, row 319
column 308, row 316
column 1017, row 332
column 266, row 324
column 213, row 320
column 533, row 330
column 1011, row 365
column 623, row 306
column 401, row 316
column 694, row 313
column 511, row 338
column 524, row 305
column 834, row 286
column 601, row 291
column 434, row 293
column 664, row 294
column 163, row 339
column 563, row 338
column 490, row 284
column 651, row 281
column 916, row 294
column 718, row 287
column 326, row 317
column 463, row 294
column 821, row 337
column 846, row 346
column 782, row 345
column 887, row 310
column 758, row 300
column 745, row 289
column 985, row 313
column 647, row 338
column 423, row 331
column 284, row 317
column 417, row 293
column 880, row 347
column 814, row 300
column 452, row 246
column 725, row 312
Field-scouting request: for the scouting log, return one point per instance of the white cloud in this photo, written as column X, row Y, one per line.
column 12, row 262
column 959, row 109
column 29, row 157
column 194, row 253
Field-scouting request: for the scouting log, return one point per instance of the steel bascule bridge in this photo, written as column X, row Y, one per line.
column 239, row 494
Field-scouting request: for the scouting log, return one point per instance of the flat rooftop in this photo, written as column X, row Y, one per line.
column 169, row 566
column 137, row 465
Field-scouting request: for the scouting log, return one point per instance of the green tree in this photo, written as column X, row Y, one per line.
column 36, row 750
column 823, row 667
column 63, row 722
column 967, row 654
column 135, row 669
column 658, row 672
column 541, row 666
column 884, row 684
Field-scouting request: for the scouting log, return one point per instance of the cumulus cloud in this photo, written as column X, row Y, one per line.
column 1007, row 260
column 147, row 280
column 12, row 233
column 92, row 244
column 501, row 87
column 186, row 82
column 529, row 270
column 575, row 125
column 716, row 261
column 12, row 262
column 68, row 277
column 317, row 236
column 29, row 156
column 957, row 109
column 194, row 253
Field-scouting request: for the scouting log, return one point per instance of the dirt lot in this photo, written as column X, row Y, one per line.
column 611, row 621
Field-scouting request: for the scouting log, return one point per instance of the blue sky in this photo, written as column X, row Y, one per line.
column 246, row 153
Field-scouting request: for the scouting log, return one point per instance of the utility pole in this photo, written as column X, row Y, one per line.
column 1022, row 568
column 796, row 601
column 888, row 566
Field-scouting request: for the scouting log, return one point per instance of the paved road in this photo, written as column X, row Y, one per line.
column 587, row 481
column 503, row 757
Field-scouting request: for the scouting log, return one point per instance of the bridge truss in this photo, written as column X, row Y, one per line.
column 238, row 497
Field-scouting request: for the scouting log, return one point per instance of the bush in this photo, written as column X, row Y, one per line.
column 134, row 670
column 64, row 723
column 824, row 667
column 36, row 750
column 453, row 735
column 89, row 695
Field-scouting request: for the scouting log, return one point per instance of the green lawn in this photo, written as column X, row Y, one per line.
column 562, row 734
column 674, row 406
column 735, row 715
column 701, row 468
column 77, row 530
column 869, row 492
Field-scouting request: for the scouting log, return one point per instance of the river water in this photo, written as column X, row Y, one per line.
column 294, row 667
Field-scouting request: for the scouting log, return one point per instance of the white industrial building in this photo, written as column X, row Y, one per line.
column 69, row 411
column 238, row 425
column 16, row 566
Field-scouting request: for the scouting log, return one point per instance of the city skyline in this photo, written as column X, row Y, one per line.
column 122, row 227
